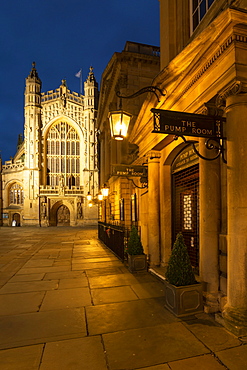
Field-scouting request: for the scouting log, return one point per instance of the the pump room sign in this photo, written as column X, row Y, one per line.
column 187, row 124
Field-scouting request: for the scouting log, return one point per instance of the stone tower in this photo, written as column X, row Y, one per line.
column 90, row 111
column 32, row 145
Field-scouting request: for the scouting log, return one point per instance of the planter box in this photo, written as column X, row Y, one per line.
column 183, row 300
column 137, row 263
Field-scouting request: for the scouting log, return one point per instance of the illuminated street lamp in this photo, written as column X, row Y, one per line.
column 89, row 197
column 100, row 196
column 105, row 191
column 119, row 123
column 119, row 120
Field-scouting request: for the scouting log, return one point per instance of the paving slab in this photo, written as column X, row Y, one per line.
column 234, row 358
column 157, row 367
column 22, row 358
column 92, row 265
column 95, row 259
column 27, row 277
column 62, row 263
column 74, row 354
column 13, row 304
column 111, row 295
column 118, row 280
column 206, row 362
column 40, row 270
column 29, row 286
column 87, row 254
column 39, row 263
column 64, row 275
column 137, row 348
column 115, row 317
column 41, row 327
column 106, row 271
column 149, row 290
column 79, row 282
column 212, row 334
column 66, row 298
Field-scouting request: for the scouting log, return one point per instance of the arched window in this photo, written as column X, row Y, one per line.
column 16, row 195
column 63, row 148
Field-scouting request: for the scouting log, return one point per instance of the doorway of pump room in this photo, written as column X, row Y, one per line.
column 185, row 198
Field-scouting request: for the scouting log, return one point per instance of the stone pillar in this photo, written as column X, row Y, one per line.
column 235, row 311
column 209, row 227
column 154, row 208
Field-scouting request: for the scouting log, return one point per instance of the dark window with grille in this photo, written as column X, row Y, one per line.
column 186, row 210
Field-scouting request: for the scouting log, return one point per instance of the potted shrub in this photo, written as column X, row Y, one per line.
column 183, row 294
column 137, row 260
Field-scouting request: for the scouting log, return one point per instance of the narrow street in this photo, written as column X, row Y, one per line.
column 67, row 303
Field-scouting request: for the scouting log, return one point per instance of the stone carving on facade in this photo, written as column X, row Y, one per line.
column 79, row 211
column 153, row 155
column 61, row 185
column 237, row 87
column 122, row 82
column 210, row 109
column 43, row 210
column 52, row 202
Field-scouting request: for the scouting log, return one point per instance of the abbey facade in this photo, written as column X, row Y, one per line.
column 55, row 166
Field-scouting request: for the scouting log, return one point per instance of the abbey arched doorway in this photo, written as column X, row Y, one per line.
column 17, row 218
column 63, row 216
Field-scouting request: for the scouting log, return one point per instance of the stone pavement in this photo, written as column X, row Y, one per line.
column 67, row 303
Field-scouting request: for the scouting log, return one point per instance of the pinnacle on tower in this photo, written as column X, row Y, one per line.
column 33, row 73
column 91, row 77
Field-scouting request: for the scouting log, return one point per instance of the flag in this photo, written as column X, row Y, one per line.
column 78, row 74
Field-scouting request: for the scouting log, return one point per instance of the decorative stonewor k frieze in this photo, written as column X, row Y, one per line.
column 237, row 87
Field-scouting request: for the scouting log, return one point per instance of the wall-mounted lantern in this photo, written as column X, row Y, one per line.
column 100, row 196
column 119, row 120
column 119, row 123
column 89, row 196
column 105, row 191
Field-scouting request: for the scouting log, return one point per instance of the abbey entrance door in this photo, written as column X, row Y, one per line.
column 63, row 216
column 186, row 210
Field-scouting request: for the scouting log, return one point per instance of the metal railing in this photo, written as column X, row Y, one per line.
column 114, row 237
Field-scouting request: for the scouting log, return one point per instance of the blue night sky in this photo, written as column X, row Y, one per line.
column 62, row 37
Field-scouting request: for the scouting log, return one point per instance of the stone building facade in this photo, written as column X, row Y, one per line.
column 55, row 166
column 203, row 71
column 128, row 71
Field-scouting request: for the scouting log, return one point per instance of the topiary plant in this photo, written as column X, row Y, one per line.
column 134, row 245
column 179, row 270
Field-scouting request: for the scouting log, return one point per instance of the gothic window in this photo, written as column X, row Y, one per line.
column 198, row 10
column 16, row 195
column 63, row 152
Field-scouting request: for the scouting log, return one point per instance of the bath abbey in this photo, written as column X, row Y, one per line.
column 55, row 165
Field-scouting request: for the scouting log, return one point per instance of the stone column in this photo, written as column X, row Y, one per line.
column 154, row 208
column 209, row 227
column 235, row 311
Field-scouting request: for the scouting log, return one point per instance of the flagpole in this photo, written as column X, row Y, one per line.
column 81, row 82
column 79, row 75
